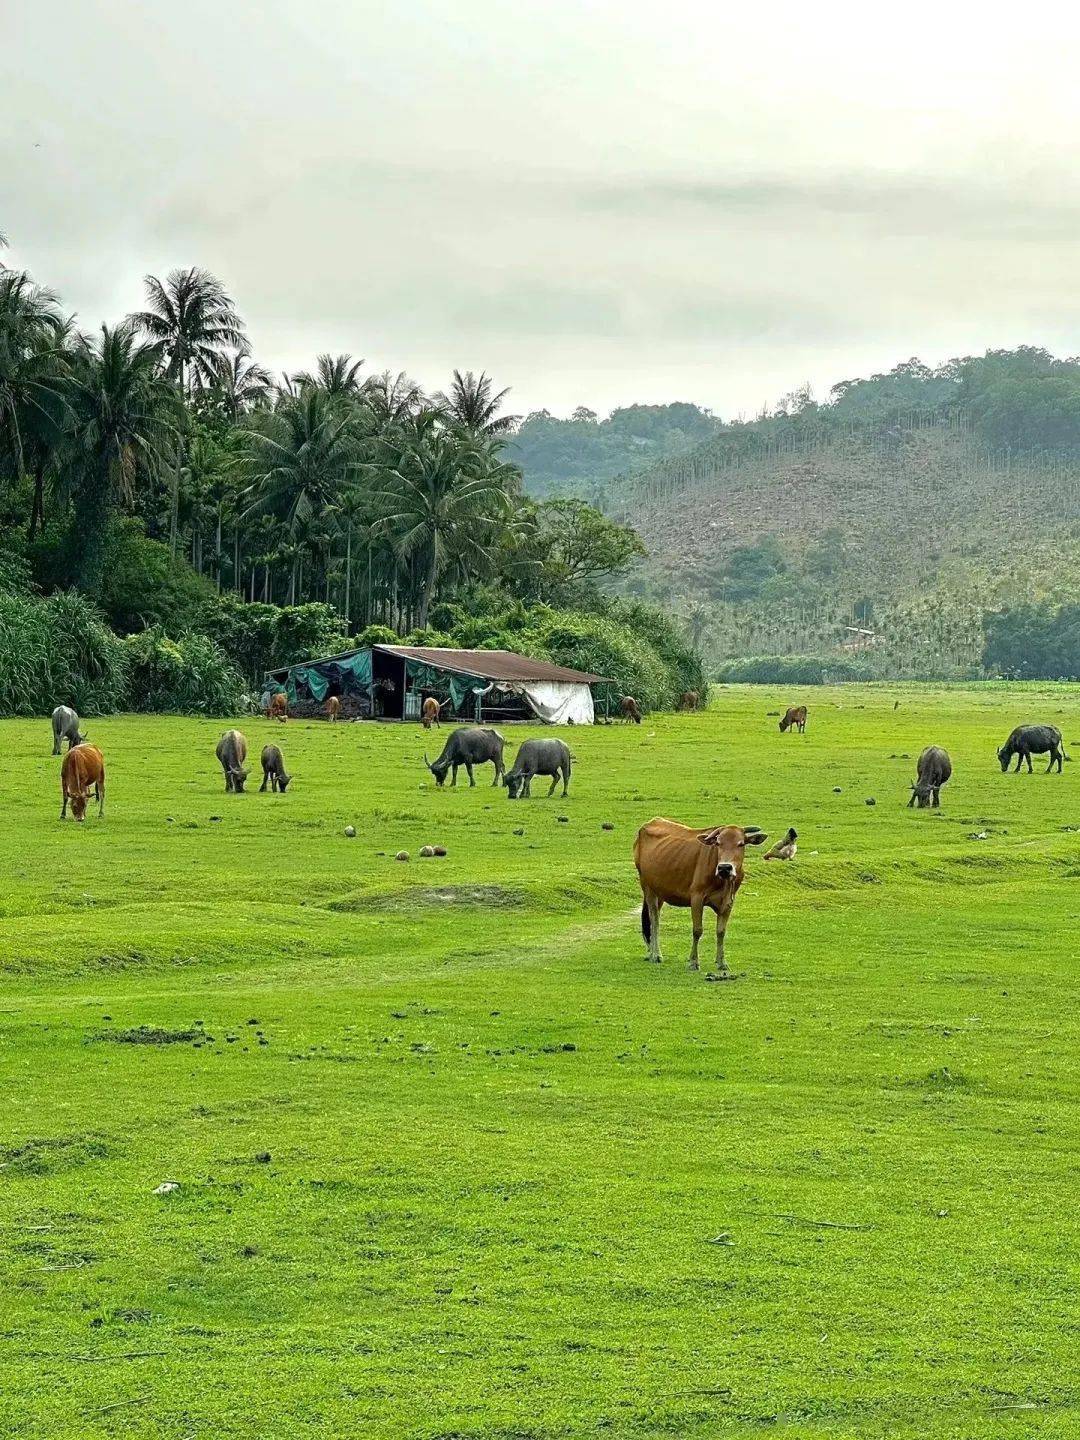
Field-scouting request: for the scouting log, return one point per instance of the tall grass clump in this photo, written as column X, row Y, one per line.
column 58, row 651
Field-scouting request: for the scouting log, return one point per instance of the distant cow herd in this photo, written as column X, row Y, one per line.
column 697, row 869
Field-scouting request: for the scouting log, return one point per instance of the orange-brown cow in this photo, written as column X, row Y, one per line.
column 795, row 716
column 630, row 710
column 695, row 868
column 279, row 707
column 82, row 767
column 431, row 712
column 690, row 700
column 333, row 708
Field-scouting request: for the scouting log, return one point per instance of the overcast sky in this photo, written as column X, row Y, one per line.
column 598, row 202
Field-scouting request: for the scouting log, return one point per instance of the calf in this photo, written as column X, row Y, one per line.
column 65, row 726
column 279, row 707
column 1028, row 740
column 430, row 712
column 333, row 708
column 83, row 766
column 232, row 752
column 468, row 745
column 273, row 767
column 630, row 709
column 690, row 700
column 538, row 757
column 696, row 868
column 795, row 715
column 934, row 770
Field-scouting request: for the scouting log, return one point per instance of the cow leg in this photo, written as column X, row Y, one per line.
column 696, row 909
column 722, row 971
column 100, row 788
column 654, row 929
column 566, row 781
column 266, row 777
column 63, row 808
column 936, row 801
column 1031, row 769
column 469, row 772
column 554, row 785
column 453, row 782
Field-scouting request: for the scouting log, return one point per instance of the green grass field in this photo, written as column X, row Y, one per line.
column 521, row 1183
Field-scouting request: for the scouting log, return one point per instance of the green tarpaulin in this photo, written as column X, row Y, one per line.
column 352, row 673
column 442, row 682
column 317, row 684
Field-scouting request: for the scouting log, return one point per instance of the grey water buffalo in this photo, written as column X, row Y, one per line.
column 273, row 768
column 469, row 745
column 232, row 752
column 1028, row 740
column 538, row 757
column 934, row 770
column 65, row 726
column 795, row 718
column 699, row 869
column 83, row 766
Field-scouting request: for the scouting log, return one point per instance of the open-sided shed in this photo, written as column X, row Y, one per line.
column 390, row 682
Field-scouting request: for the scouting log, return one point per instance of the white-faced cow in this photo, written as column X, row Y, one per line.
column 699, row 869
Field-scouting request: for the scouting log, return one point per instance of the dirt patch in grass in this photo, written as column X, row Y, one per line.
column 499, row 897
column 150, row 1035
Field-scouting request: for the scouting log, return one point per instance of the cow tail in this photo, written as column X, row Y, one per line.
column 646, row 927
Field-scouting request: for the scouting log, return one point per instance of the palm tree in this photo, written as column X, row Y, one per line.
column 300, row 461
column 338, row 375
column 441, row 486
column 392, row 398
column 241, row 383
column 193, row 321
column 473, row 404
column 33, row 367
column 123, row 412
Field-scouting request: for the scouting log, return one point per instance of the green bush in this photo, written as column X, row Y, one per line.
column 794, row 670
column 189, row 676
column 58, row 651
column 256, row 638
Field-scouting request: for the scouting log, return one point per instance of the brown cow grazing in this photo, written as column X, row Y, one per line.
column 795, row 716
column 273, row 766
column 630, row 709
column 333, row 708
column 279, row 707
column 695, row 868
column 430, row 712
column 82, row 767
column 232, row 752
column 690, row 700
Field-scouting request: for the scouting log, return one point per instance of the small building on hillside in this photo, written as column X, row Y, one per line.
column 391, row 682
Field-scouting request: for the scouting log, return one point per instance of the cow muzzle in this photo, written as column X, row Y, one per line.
column 725, row 870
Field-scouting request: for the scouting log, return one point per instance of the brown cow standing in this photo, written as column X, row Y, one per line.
column 630, row 709
column 279, row 708
column 333, row 708
column 795, row 716
column 82, row 767
column 690, row 700
column 431, row 712
column 695, row 868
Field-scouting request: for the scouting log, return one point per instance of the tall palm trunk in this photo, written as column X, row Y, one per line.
column 348, row 574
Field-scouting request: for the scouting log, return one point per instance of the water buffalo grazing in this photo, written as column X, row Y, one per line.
column 794, row 717
column 630, row 710
column 430, row 712
column 232, row 752
column 690, row 700
column 468, row 745
column 83, row 766
column 784, row 849
column 65, row 726
column 934, row 770
column 273, row 768
column 695, row 868
column 1028, row 740
column 333, row 707
column 538, row 757
column 279, row 707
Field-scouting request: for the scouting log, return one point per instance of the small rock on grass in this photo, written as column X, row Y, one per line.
column 167, row 1187
column 836, row 790
column 263, row 1157
column 607, row 825
column 870, row 800
column 439, row 849
column 564, row 819
column 427, row 852
column 519, row 831
column 402, row 855
column 350, row 832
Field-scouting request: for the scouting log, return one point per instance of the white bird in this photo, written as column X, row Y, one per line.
column 784, row 849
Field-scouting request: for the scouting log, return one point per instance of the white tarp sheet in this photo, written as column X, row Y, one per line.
column 559, row 703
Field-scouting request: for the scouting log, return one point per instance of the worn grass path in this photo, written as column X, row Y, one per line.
column 521, row 1183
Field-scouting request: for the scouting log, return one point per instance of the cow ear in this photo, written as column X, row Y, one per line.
column 711, row 837
column 753, row 836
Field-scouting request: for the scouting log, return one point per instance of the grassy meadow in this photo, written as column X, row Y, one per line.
column 521, row 1184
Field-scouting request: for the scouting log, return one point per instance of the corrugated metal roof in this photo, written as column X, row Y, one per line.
column 493, row 664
